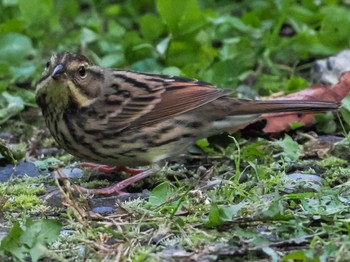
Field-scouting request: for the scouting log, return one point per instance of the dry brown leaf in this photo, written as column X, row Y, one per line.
column 279, row 122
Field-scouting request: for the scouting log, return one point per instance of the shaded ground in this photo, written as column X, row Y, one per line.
column 283, row 200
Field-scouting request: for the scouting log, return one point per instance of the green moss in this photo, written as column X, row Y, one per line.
column 337, row 175
column 22, row 202
column 22, row 193
column 96, row 184
column 332, row 161
column 19, row 189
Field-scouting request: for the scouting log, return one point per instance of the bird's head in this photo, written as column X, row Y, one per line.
column 69, row 79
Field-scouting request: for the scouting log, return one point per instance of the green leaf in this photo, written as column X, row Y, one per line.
column 35, row 9
column 14, row 48
column 346, row 103
column 151, row 26
column 275, row 210
column 296, row 84
column 11, row 244
column 31, row 240
column 253, row 151
column 334, row 30
column 229, row 211
column 87, row 36
column 181, row 16
column 225, row 73
column 45, row 165
column 219, row 214
column 160, row 194
column 6, row 152
column 325, row 123
column 38, row 235
column 291, row 149
column 12, row 105
column 300, row 255
column 271, row 253
column 27, row 96
column 214, row 216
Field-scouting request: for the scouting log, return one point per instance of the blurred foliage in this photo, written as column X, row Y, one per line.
column 261, row 44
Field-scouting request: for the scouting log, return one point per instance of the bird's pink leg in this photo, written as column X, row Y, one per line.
column 117, row 188
column 112, row 169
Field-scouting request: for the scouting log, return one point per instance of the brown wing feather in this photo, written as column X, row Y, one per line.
column 180, row 96
column 146, row 99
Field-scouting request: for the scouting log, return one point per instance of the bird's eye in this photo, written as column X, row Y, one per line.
column 47, row 66
column 82, row 71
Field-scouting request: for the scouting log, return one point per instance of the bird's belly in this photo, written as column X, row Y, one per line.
column 132, row 148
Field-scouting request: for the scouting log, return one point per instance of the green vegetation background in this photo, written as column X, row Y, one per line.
column 255, row 47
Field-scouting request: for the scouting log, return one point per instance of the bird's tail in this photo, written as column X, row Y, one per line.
column 275, row 106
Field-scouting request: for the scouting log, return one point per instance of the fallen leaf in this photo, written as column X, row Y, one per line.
column 278, row 122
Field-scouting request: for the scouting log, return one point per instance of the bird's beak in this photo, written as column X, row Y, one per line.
column 57, row 70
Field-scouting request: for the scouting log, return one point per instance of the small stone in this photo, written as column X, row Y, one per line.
column 71, row 172
column 305, row 177
column 21, row 169
column 103, row 210
column 299, row 182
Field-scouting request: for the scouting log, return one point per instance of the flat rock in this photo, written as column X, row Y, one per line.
column 21, row 169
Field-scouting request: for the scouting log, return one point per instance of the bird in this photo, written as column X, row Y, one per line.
column 124, row 118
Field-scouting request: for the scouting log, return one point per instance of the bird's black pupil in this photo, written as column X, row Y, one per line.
column 48, row 64
column 82, row 71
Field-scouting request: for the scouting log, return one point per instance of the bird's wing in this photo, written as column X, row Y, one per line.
column 140, row 99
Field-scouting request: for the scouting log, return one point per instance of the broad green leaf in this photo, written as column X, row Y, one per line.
column 296, row 84
column 326, row 123
column 226, row 73
column 214, row 216
column 182, row 16
column 13, row 25
column 334, row 30
column 35, row 11
column 299, row 255
column 291, row 149
column 45, row 165
column 218, row 214
column 147, row 65
column 253, row 151
column 12, row 105
column 27, row 96
column 275, row 209
column 87, row 36
column 160, row 194
column 23, row 71
column 38, row 235
column 151, row 26
column 6, row 152
column 14, row 48
column 31, row 240
column 11, row 244
column 346, row 103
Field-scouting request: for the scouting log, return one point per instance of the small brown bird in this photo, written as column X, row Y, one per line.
column 125, row 118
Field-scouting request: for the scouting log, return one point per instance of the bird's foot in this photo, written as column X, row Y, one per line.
column 117, row 188
column 112, row 169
